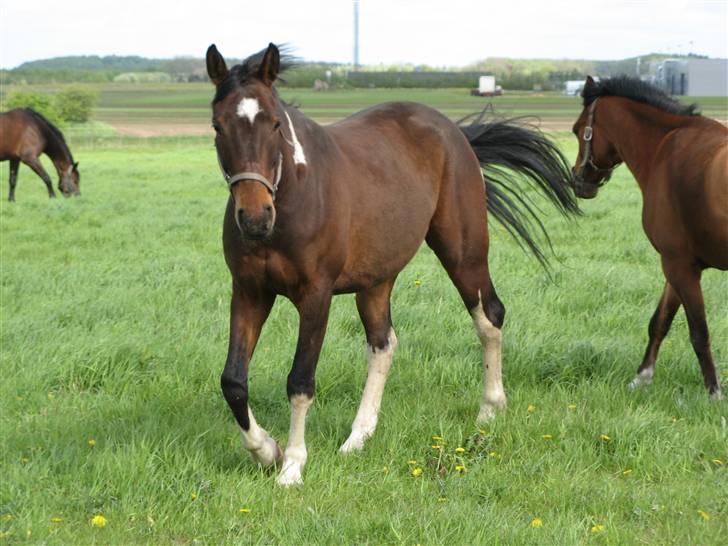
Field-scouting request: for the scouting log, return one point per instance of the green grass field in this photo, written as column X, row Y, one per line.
column 114, row 310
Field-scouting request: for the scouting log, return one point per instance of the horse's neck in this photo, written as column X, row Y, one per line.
column 637, row 131
column 57, row 150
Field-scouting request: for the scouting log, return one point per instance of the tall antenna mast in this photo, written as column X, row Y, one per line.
column 356, row 34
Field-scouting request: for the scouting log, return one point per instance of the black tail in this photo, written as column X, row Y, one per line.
column 512, row 150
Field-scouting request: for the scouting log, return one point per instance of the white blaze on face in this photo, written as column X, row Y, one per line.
column 248, row 108
column 298, row 154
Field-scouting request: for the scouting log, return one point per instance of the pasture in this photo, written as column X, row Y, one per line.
column 114, row 315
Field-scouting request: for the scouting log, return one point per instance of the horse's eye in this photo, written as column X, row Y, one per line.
column 276, row 125
column 217, row 128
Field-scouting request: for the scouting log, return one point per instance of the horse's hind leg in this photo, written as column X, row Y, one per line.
column 37, row 167
column 686, row 281
column 374, row 310
column 467, row 265
column 14, row 164
column 658, row 329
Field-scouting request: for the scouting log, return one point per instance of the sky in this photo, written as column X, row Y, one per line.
column 432, row 32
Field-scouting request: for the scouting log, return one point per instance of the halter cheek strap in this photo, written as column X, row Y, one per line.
column 588, row 160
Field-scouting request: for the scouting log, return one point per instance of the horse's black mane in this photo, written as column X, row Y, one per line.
column 248, row 69
column 50, row 129
column 635, row 89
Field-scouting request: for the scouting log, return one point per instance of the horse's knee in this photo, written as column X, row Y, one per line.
column 235, row 391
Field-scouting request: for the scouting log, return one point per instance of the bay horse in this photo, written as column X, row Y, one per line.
column 680, row 162
column 317, row 211
column 24, row 136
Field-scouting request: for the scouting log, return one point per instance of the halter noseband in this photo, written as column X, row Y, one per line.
column 231, row 180
column 587, row 160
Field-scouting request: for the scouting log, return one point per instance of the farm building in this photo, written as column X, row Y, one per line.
column 694, row 77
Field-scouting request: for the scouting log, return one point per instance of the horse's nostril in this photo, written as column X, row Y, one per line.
column 268, row 209
column 241, row 216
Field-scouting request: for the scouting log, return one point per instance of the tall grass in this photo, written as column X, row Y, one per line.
column 114, row 310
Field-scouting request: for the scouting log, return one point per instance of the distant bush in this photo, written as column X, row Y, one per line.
column 72, row 105
column 41, row 103
column 75, row 104
column 143, row 77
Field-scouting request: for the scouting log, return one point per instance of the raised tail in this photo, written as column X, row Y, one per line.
column 510, row 151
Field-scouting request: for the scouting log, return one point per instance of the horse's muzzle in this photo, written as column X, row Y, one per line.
column 258, row 228
column 585, row 190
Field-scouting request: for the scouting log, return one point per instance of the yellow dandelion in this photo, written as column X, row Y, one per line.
column 536, row 523
column 571, row 407
column 547, row 437
column 483, row 432
column 460, row 468
column 417, row 472
column 412, row 462
column 24, row 460
column 531, row 408
column 244, row 510
column 605, row 438
column 98, row 521
column 436, row 447
column 493, row 453
column 56, row 520
column 459, row 450
column 385, row 469
column 704, row 515
column 626, row 471
column 92, row 442
column 418, row 282
column 437, row 438
column 717, row 462
column 598, row 528
column 442, row 499
column 193, row 495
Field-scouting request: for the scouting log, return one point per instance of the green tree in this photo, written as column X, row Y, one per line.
column 75, row 104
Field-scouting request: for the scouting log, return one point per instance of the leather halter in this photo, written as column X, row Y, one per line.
column 587, row 160
column 252, row 176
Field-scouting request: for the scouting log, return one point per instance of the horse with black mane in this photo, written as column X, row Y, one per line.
column 24, row 136
column 317, row 211
column 680, row 162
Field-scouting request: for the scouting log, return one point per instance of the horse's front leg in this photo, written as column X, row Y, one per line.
column 248, row 311
column 313, row 310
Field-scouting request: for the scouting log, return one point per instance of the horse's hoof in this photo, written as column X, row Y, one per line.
column 290, row 476
column 355, row 442
column 269, row 454
column 716, row 395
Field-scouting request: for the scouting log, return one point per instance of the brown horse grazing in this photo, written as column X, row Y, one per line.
column 24, row 136
column 680, row 161
column 316, row 211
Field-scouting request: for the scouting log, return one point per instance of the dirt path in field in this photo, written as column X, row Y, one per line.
column 193, row 129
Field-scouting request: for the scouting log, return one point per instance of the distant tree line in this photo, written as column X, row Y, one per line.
column 516, row 74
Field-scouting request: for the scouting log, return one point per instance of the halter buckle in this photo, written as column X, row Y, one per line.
column 587, row 133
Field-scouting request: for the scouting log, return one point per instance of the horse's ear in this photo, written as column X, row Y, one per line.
column 75, row 166
column 270, row 65
column 216, row 67
column 589, row 83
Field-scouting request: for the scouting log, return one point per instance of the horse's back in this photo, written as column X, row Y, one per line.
column 400, row 160
column 17, row 135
